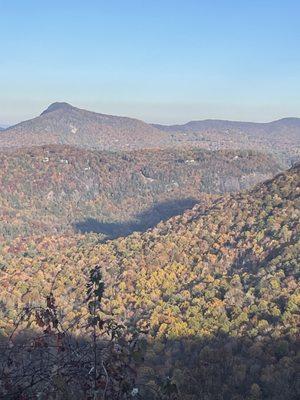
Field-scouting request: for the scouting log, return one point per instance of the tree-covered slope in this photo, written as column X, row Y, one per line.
column 230, row 265
column 64, row 124
column 216, row 288
column 281, row 137
column 63, row 189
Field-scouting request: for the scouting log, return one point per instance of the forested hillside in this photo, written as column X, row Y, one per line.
column 216, row 289
column 281, row 137
column 150, row 200
column 63, row 189
column 64, row 124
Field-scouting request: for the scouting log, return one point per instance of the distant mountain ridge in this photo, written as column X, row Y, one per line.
column 281, row 137
column 64, row 124
column 61, row 123
column 274, row 129
column 227, row 124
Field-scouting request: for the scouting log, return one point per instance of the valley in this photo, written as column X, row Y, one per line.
column 219, row 281
column 64, row 189
column 149, row 200
column 195, row 230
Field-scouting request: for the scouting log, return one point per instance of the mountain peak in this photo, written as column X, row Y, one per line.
column 58, row 106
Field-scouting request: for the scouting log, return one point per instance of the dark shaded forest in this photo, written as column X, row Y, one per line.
column 146, row 220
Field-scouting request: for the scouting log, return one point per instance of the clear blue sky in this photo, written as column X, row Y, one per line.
column 158, row 60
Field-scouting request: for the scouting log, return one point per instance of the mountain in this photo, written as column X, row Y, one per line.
column 219, row 286
column 64, row 189
column 272, row 128
column 230, row 247
column 62, row 123
column 280, row 137
column 216, row 288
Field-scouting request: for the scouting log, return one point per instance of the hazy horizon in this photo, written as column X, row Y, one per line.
column 7, row 124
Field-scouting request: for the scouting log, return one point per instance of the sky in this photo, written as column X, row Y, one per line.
column 158, row 60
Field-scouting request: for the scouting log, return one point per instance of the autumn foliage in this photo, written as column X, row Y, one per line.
column 215, row 290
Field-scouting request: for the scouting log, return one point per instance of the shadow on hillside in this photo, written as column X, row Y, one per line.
column 220, row 367
column 143, row 221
